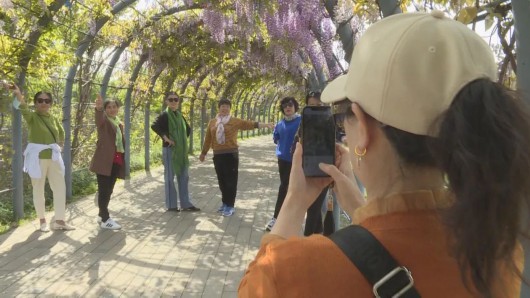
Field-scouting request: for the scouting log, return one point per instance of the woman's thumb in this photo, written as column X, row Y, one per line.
column 331, row 170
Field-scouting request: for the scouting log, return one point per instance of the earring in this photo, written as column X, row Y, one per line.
column 359, row 155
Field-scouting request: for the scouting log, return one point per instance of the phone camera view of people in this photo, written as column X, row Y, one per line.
column 318, row 139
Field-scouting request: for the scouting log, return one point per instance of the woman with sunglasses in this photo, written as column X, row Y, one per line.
column 108, row 160
column 221, row 136
column 42, row 157
column 442, row 150
column 283, row 136
column 174, row 130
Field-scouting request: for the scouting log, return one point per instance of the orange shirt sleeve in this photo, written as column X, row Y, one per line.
column 245, row 124
column 259, row 279
column 208, row 138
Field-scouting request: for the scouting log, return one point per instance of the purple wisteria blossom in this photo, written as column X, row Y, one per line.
column 214, row 21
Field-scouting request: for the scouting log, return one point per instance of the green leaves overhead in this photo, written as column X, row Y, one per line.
column 467, row 14
column 179, row 35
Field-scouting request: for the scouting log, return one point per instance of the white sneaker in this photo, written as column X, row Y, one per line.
column 44, row 227
column 110, row 224
column 66, row 227
column 271, row 223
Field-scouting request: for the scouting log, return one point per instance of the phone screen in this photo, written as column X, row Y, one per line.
column 318, row 139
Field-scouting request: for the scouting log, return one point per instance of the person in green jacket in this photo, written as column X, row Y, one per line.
column 42, row 157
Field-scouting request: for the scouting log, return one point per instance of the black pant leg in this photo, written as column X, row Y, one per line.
column 231, row 173
column 105, row 189
column 313, row 222
column 284, row 168
column 104, row 192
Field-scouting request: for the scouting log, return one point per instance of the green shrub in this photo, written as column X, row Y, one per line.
column 84, row 183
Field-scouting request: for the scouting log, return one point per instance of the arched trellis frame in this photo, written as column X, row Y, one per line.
column 99, row 23
column 316, row 78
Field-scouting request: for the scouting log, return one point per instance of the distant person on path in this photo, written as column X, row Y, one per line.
column 42, row 157
column 221, row 136
column 174, row 130
column 108, row 161
column 283, row 136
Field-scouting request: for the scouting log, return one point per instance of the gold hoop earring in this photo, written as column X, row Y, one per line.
column 359, row 155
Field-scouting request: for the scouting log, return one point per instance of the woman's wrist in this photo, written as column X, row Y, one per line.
column 20, row 97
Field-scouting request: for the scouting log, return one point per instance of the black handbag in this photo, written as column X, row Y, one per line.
column 386, row 276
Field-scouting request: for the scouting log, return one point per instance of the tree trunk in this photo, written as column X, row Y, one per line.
column 389, row 7
column 344, row 30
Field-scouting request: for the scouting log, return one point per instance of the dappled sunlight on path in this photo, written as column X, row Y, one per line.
column 157, row 252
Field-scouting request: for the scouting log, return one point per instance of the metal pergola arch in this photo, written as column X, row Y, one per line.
column 82, row 47
column 67, row 100
column 23, row 62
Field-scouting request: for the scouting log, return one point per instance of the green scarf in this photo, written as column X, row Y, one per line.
column 177, row 133
column 119, row 140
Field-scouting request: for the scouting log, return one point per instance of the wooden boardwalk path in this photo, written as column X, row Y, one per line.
column 157, row 253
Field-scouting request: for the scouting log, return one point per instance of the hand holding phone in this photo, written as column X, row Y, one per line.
column 8, row 86
column 318, row 139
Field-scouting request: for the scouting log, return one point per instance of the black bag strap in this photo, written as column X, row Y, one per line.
column 47, row 127
column 375, row 263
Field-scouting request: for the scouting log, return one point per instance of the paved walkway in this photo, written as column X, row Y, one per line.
column 157, row 253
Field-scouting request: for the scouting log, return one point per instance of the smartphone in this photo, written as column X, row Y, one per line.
column 318, row 139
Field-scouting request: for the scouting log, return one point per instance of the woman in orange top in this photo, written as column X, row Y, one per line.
column 442, row 150
column 221, row 136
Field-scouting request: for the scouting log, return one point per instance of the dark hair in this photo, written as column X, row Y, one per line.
column 288, row 99
column 412, row 149
column 109, row 101
column 170, row 93
column 224, row 101
column 483, row 148
column 40, row 93
column 315, row 94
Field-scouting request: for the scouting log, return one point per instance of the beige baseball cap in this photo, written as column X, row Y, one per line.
column 407, row 68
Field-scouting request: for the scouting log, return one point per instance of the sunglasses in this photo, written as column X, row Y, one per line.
column 288, row 104
column 44, row 100
column 173, row 99
column 313, row 94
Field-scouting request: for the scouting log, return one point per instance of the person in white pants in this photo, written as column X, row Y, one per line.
column 42, row 157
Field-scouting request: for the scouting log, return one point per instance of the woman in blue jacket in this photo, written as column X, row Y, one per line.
column 283, row 137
